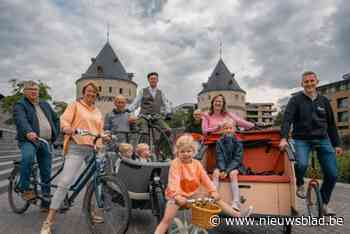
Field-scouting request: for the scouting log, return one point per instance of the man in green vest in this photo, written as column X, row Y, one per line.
column 152, row 101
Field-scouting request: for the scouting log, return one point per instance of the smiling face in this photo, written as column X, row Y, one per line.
column 153, row 81
column 218, row 104
column 90, row 94
column 185, row 153
column 120, row 103
column 145, row 152
column 32, row 93
column 309, row 83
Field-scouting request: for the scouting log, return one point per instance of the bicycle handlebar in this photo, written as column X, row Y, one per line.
column 201, row 200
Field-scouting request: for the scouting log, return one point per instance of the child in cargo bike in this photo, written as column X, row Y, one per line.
column 229, row 156
column 186, row 175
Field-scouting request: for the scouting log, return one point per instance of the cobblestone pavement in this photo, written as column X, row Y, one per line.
column 142, row 222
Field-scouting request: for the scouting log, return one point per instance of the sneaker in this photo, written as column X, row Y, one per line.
column 235, row 206
column 28, row 195
column 328, row 211
column 95, row 218
column 301, row 192
column 46, row 228
column 247, row 212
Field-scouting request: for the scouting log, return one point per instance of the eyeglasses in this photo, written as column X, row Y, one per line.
column 31, row 89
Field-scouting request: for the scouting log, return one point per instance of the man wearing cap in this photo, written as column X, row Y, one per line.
column 152, row 101
column 35, row 118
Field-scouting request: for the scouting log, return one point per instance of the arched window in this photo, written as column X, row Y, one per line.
column 99, row 69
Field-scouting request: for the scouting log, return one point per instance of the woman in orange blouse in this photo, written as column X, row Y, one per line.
column 80, row 114
column 186, row 175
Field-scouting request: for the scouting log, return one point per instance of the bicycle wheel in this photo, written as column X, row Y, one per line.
column 160, row 203
column 162, row 144
column 314, row 200
column 177, row 227
column 17, row 203
column 115, row 211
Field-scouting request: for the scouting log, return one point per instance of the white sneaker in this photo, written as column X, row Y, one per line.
column 46, row 228
column 247, row 212
column 301, row 192
column 328, row 211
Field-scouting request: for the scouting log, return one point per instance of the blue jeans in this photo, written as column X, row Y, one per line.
column 326, row 158
column 44, row 158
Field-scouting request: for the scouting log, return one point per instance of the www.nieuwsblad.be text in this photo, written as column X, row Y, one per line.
column 216, row 220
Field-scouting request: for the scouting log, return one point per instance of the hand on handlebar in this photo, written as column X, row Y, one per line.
column 283, row 144
column 32, row 136
column 69, row 131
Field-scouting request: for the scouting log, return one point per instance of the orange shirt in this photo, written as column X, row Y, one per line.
column 185, row 179
column 80, row 115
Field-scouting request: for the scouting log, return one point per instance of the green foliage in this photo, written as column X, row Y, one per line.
column 60, row 107
column 343, row 166
column 8, row 102
column 279, row 119
column 179, row 119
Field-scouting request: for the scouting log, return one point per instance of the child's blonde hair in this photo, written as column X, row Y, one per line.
column 124, row 147
column 141, row 147
column 229, row 122
column 185, row 141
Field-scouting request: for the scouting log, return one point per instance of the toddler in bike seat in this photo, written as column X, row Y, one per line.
column 126, row 150
column 186, row 176
column 143, row 152
column 229, row 156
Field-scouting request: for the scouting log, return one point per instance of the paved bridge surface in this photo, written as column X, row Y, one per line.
column 142, row 222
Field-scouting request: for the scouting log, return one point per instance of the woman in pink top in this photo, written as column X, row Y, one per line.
column 212, row 121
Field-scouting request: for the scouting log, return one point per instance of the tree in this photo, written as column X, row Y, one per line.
column 8, row 102
column 279, row 119
column 179, row 119
column 60, row 107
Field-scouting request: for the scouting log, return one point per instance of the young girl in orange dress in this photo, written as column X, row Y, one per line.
column 186, row 175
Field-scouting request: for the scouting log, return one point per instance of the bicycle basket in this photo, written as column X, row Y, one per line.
column 202, row 212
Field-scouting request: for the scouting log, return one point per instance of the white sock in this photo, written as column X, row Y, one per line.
column 235, row 193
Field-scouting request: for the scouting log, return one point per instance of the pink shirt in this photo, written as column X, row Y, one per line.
column 210, row 123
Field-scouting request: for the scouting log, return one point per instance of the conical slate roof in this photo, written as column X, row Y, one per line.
column 106, row 65
column 221, row 79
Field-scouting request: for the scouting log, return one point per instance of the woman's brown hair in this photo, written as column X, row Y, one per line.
column 223, row 111
column 93, row 85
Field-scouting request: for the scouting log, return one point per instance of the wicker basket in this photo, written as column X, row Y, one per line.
column 201, row 214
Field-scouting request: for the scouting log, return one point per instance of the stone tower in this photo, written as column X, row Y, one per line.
column 107, row 71
column 221, row 81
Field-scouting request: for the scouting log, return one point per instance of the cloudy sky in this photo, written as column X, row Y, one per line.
column 267, row 44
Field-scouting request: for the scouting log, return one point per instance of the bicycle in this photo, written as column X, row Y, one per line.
column 155, row 137
column 200, row 221
column 314, row 201
column 104, row 193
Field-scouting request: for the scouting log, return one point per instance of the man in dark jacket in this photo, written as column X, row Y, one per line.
column 35, row 118
column 313, row 127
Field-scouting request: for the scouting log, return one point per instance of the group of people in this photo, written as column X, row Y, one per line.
column 309, row 113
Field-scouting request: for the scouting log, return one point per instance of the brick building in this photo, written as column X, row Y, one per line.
column 339, row 94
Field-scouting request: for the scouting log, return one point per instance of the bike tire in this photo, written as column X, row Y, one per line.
column 114, row 189
column 14, row 193
column 160, row 199
column 314, row 200
column 163, row 146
